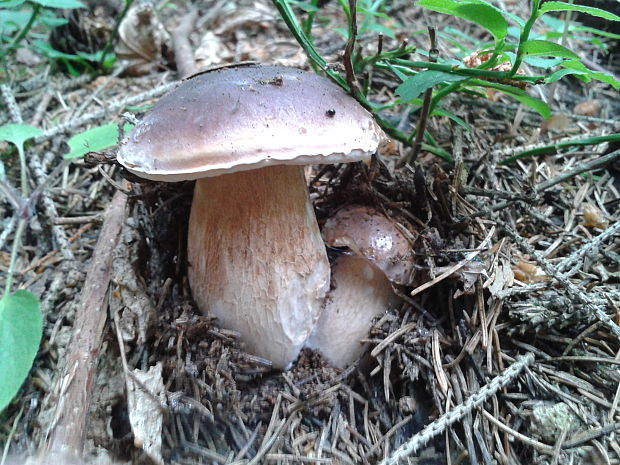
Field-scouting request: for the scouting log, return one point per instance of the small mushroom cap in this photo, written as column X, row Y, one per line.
column 247, row 117
column 372, row 235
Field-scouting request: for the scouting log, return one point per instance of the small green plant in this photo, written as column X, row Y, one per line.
column 500, row 59
column 20, row 314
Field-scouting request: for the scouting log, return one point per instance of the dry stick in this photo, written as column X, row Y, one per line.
column 590, row 435
column 595, row 242
column 8, row 229
column 65, row 440
column 42, row 261
column 579, row 168
column 539, row 446
column 438, row 426
column 183, row 55
column 9, row 99
column 49, row 206
column 9, row 439
column 55, row 87
column 558, row 447
column 39, row 112
column 100, row 88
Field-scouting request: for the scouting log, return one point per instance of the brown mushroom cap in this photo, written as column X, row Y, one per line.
column 241, row 118
column 372, row 235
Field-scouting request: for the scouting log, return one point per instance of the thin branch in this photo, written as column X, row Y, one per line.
column 183, row 54
column 438, row 426
column 66, row 439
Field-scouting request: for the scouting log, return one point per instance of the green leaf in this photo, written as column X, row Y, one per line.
column 397, row 72
column 606, row 78
column 540, row 48
column 381, row 29
column 59, row 3
column 521, row 96
column 18, row 133
column 479, row 13
column 53, row 21
column 560, row 73
column 13, row 20
column 10, row 3
column 21, row 328
column 513, row 17
column 561, row 6
column 484, row 16
column 562, row 145
column 46, row 49
column 598, row 32
column 95, row 139
column 543, row 63
column 342, row 32
column 305, row 6
column 415, row 85
column 576, row 65
column 447, row 7
column 453, row 117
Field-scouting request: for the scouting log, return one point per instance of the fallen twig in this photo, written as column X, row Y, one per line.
column 65, row 439
column 593, row 164
column 438, row 426
column 183, row 55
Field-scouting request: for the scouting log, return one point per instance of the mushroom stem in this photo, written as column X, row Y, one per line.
column 360, row 292
column 257, row 261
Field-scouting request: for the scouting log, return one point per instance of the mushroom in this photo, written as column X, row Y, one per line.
column 379, row 253
column 256, row 258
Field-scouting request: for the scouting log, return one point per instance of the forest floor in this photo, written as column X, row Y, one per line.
column 507, row 341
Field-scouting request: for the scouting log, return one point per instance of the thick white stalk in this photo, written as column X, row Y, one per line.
column 360, row 292
column 256, row 258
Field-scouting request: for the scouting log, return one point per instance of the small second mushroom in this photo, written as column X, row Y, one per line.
column 378, row 254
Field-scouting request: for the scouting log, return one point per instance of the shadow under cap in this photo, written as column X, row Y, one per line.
column 237, row 119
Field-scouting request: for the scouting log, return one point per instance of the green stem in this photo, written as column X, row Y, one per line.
column 291, row 22
column 524, row 37
column 561, row 145
column 21, row 226
column 109, row 43
column 23, row 173
column 439, row 95
column 386, row 56
column 35, row 12
column 406, row 65
column 309, row 21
